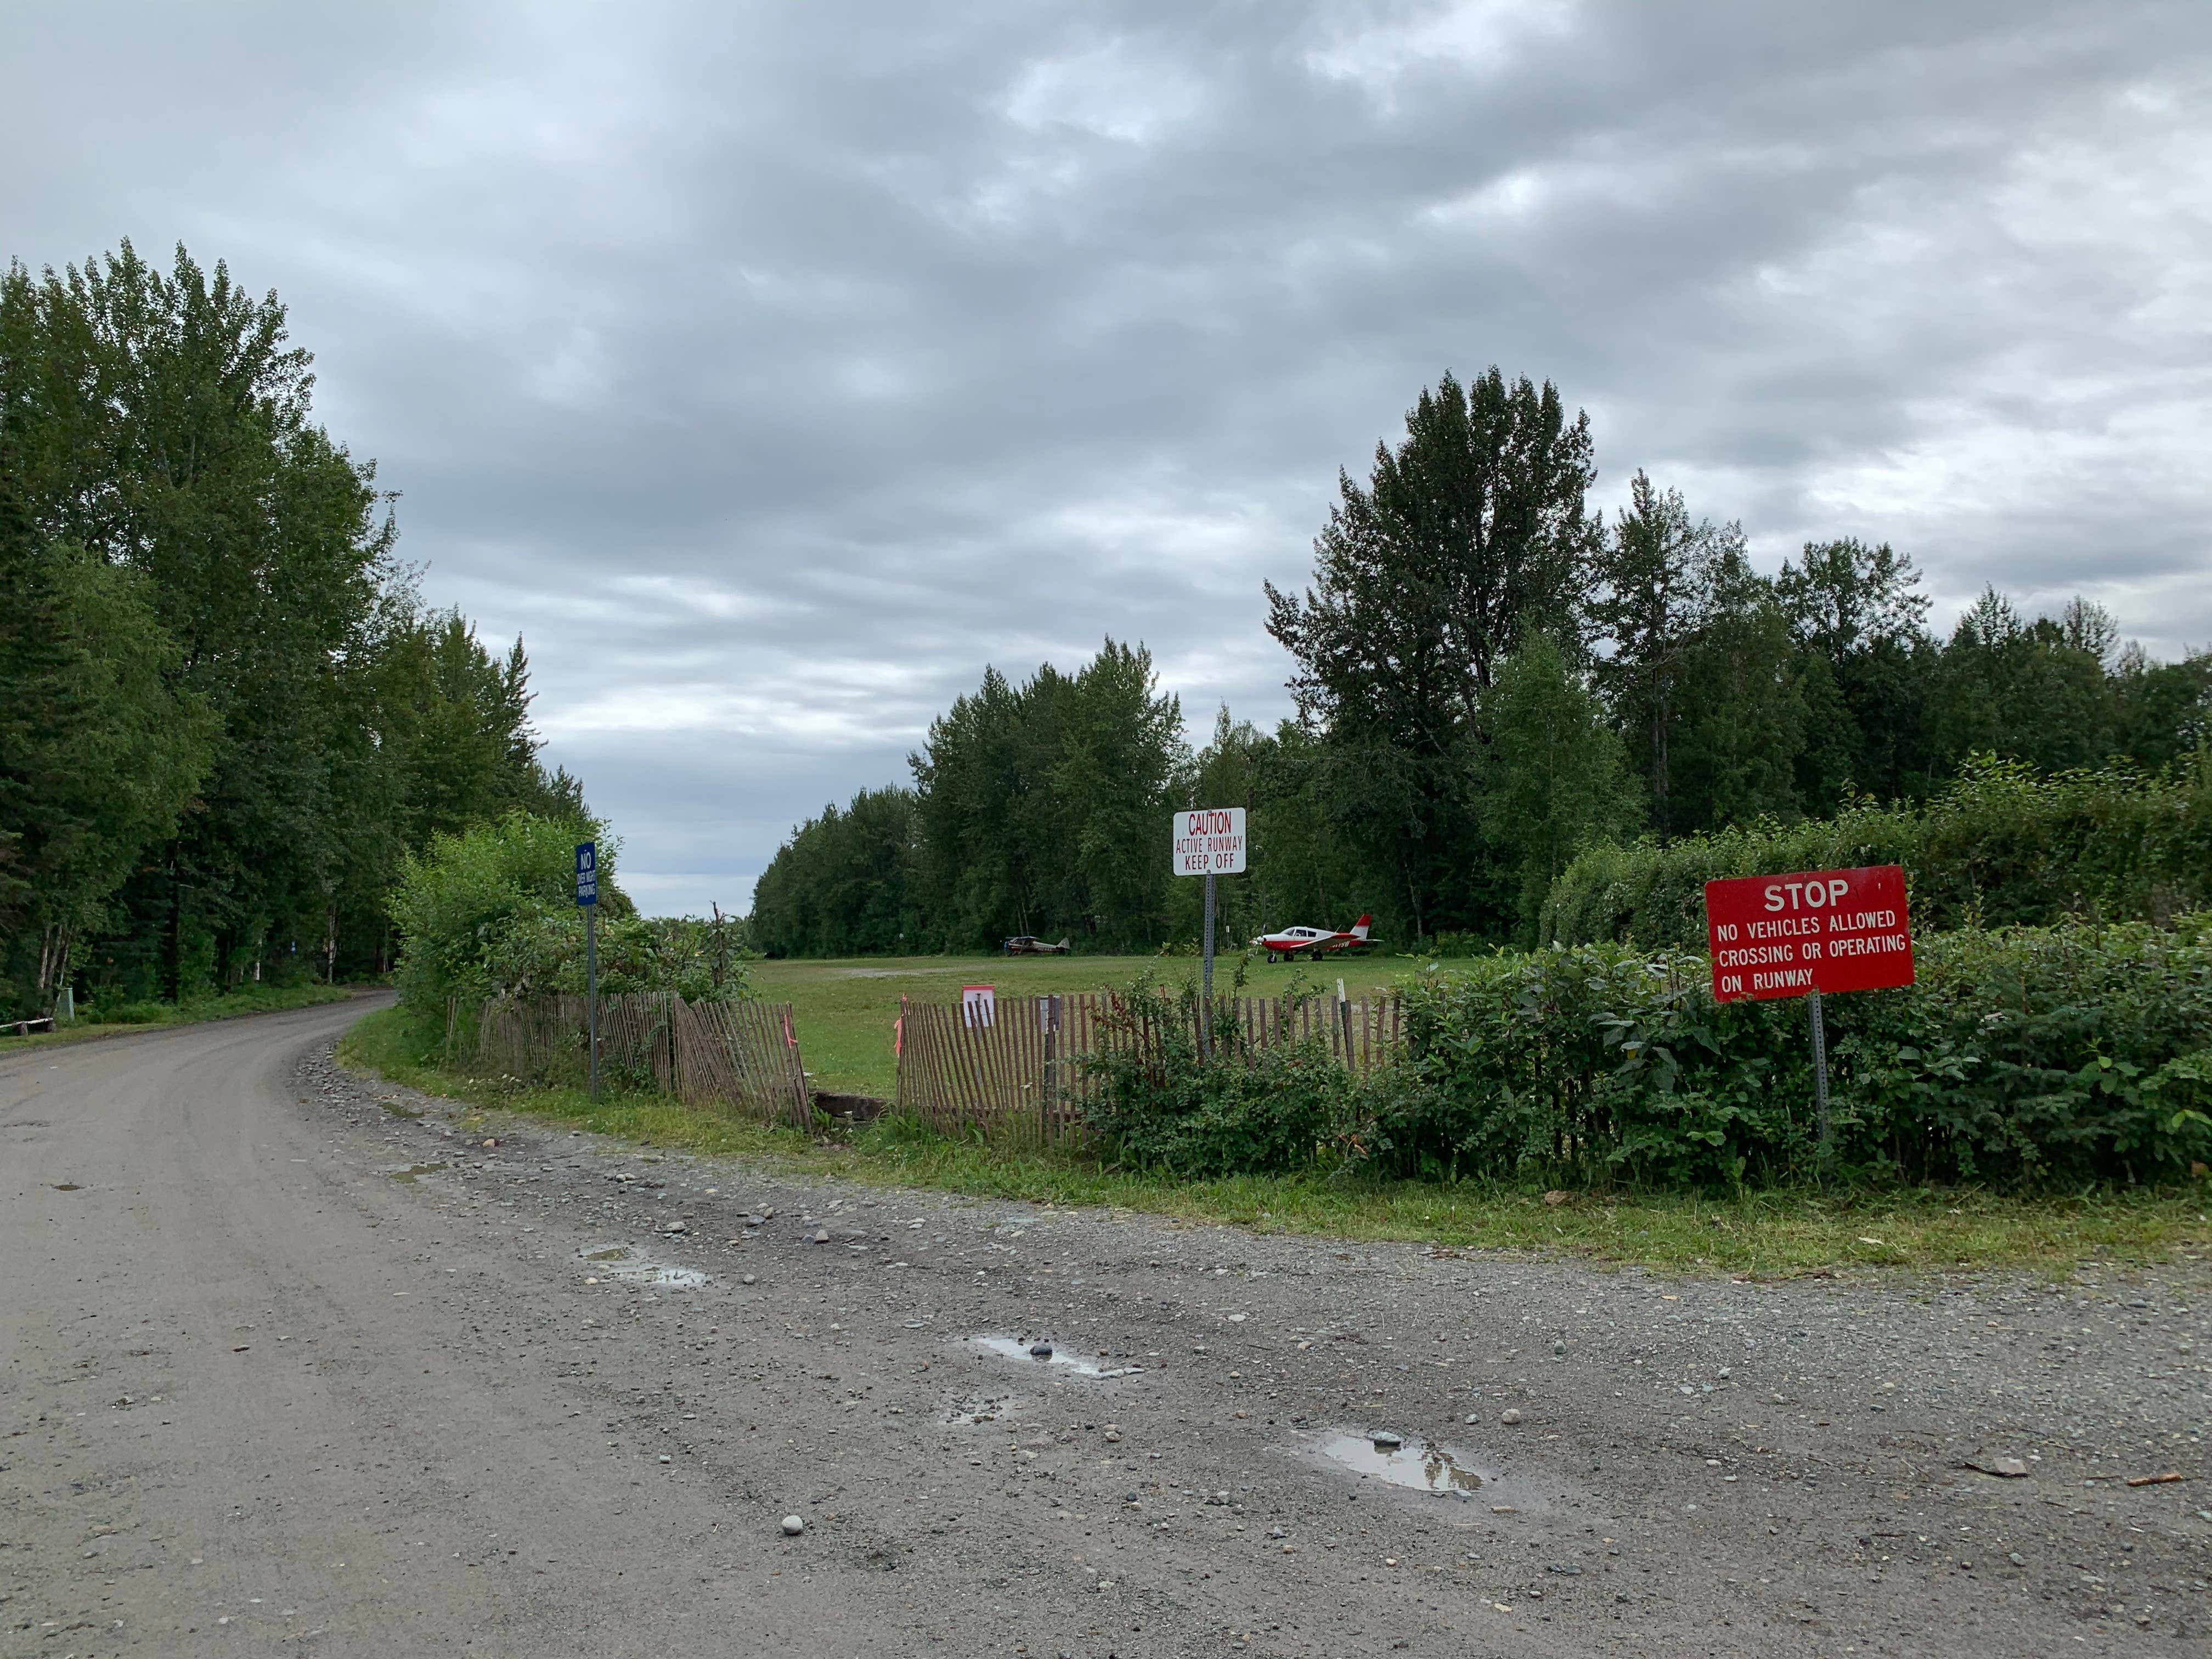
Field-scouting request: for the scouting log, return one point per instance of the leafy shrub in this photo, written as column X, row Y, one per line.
column 540, row 951
column 2001, row 847
column 2026, row 1056
column 1158, row 1104
column 127, row 1013
column 492, row 911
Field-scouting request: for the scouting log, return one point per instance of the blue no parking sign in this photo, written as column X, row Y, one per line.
column 587, row 872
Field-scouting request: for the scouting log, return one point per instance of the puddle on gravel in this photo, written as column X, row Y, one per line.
column 414, row 1172
column 624, row 1266
column 1083, row 1364
column 1415, row 1464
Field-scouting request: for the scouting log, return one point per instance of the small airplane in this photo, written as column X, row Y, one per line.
column 1023, row 945
column 1313, row 941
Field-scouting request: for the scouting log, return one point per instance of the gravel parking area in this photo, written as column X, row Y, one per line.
column 633, row 1366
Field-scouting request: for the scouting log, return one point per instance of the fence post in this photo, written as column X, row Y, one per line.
column 1051, row 1008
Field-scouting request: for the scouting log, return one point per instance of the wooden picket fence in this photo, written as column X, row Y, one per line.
column 1023, row 1075
column 740, row 1057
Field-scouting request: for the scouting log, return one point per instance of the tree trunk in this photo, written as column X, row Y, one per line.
column 55, row 945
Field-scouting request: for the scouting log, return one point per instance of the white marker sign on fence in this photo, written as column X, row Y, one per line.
column 979, row 1004
column 1209, row 841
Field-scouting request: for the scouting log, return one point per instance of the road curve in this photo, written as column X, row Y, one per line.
column 297, row 1364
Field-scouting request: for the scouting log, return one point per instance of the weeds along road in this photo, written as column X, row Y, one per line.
column 287, row 1372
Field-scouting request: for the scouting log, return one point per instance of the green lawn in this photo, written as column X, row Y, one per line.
column 843, row 1010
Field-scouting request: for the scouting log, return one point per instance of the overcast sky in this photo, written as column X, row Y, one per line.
column 771, row 369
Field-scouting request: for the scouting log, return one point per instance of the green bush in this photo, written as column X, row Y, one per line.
column 1158, row 1104
column 127, row 1013
column 492, row 911
column 2001, row 847
column 2023, row 1057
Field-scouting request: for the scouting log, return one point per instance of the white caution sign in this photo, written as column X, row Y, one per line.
column 979, row 1004
column 1209, row 841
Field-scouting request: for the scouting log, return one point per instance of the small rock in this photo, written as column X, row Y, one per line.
column 665, row 1458
column 2011, row 1469
column 1040, row 1350
column 1565, row 1569
column 676, row 1227
column 822, row 1235
column 1474, row 1416
column 1383, row 1440
column 793, row 1526
column 2017, row 1558
column 747, row 1280
column 1511, row 1414
column 1558, row 1349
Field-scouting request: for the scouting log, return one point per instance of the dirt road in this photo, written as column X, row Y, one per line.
column 286, row 1371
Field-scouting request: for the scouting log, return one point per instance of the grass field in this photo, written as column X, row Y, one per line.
column 255, row 999
column 843, row 1010
column 1767, row 1234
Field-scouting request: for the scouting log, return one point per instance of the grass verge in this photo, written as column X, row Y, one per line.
column 1768, row 1234
column 154, row 1016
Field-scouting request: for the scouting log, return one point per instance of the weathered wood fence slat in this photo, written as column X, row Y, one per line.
column 1023, row 1076
column 737, row 1057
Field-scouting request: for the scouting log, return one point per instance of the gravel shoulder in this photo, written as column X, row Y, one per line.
column 295, row 1363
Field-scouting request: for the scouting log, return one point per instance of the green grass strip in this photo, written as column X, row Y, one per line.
column 1765, row 1235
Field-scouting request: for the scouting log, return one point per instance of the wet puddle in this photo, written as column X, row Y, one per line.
column 1414, row 1464
column 414, row 1172
column 1031, row 1351
column 619, row 1264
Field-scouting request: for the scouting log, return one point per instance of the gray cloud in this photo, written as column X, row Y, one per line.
column 773, row 368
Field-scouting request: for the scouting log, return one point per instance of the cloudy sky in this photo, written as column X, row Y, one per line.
column 773, row 368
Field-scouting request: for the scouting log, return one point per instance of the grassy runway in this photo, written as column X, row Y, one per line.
column 844, row 1009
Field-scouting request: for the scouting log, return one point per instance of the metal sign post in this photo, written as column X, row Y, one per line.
column 1821, row 1078
column 1209, row 841
column 1206, row 1014
column 587, row 900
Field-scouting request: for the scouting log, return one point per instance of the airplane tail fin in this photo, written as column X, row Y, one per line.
column 1063, row 941
column 1359, row 927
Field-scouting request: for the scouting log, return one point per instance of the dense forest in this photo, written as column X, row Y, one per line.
column 226, row 716
column 1490, row 677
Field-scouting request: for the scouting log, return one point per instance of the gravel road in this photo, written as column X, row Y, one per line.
column 293, row 1365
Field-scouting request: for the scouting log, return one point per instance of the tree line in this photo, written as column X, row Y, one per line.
column 227, row 715
column 1490, row 677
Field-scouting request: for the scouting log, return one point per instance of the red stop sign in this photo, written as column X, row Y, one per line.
column 1820, row 929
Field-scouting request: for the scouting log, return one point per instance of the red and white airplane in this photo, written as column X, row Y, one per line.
column 1313, row 941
